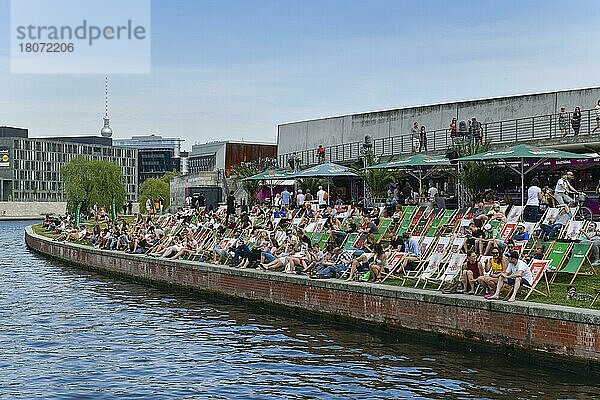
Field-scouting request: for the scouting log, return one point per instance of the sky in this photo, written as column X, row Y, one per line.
column 236, row 69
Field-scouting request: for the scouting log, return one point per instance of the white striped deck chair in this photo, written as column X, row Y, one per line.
column 394, row 261
column 538, row 270
column 573, row 230
column 426, row 245
column 515, row 214
column 432, row 268
column 458, row 244
column 320, row 224
column 443, row 244
column 551, row 213
column 453, row 268
column 310, row 227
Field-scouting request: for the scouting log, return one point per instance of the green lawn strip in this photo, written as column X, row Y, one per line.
column 558, row 290
column 37, row 229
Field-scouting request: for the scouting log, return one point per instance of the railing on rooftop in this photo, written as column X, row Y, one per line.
column 536, row 128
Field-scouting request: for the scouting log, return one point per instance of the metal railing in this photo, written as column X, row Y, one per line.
column 535, row 128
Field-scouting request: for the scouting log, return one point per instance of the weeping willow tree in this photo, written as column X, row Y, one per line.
column 93, row 182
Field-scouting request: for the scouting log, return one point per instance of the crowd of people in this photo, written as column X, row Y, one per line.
column 318, row 239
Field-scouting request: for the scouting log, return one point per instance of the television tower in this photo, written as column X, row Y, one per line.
column 106, row 130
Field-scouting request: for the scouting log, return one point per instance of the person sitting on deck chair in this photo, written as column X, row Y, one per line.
column 564, row 216
column 412, row 254
column 521, row 233
column 517, row 274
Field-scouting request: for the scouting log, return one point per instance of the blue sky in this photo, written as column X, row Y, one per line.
column 235, row 69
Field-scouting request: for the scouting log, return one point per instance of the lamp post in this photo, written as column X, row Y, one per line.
column 367, row 152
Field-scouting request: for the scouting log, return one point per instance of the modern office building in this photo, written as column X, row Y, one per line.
column 156, row 155
column 226, row 155
column 30, row 168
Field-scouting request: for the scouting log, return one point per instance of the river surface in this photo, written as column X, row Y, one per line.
column 70, row 333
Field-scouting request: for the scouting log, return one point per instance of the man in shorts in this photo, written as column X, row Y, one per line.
column 517, row 274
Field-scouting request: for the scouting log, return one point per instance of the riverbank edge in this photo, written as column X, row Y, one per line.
column 557, row 333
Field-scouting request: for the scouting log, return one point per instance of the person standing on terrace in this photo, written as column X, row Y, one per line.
column 576, row 121
column 422, row 139
column 453, row 128
column 597, row 112
column 563, row 122
column 414, row 134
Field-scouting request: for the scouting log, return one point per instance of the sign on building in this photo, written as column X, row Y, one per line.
column 4, row 157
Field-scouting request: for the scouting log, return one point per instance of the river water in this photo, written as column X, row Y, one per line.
column 70, row 333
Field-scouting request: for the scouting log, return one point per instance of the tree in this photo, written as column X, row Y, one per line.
column 478, row 176
column 170, row 175
column 93, row 182
column 377, row 181
column 152, row 188
column 312, row 184
column 242, row 172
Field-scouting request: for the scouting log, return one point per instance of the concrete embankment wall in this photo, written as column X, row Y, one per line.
column 556, row 331
column 30, row 209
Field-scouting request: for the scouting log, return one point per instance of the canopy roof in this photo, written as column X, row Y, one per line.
column 270, row 175
column 522, row 151
column 418, row 160
column 326, row 170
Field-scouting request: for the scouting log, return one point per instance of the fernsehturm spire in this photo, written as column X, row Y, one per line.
column 106, row 130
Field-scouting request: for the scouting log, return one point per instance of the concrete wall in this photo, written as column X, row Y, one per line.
column 308, row 135
column 180, row 183
column 544, row 329
column 30, row 209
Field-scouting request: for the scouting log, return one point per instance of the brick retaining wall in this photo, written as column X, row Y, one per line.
column 544, row 329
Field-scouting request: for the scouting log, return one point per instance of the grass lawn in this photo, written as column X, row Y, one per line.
column 589, row 284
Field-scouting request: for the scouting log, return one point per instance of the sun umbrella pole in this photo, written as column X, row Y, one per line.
column 420, row 182
column 522, row 173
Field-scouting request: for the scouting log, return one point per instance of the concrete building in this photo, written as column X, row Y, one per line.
column 531, row 117
column 208, row 183
column 156, row 155
column 226, row 155
column 30, row 169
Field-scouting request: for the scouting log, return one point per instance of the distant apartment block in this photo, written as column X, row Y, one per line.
column 30, row 168
column 157, row 155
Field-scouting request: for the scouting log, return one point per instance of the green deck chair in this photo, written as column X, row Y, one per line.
column 557, row 254
column 433, row 227
column 316, row 238
column 408, row 211
column 405, row 226
column 350, row 239
column 579, row 256
column 324, row 239
column 383, row 228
